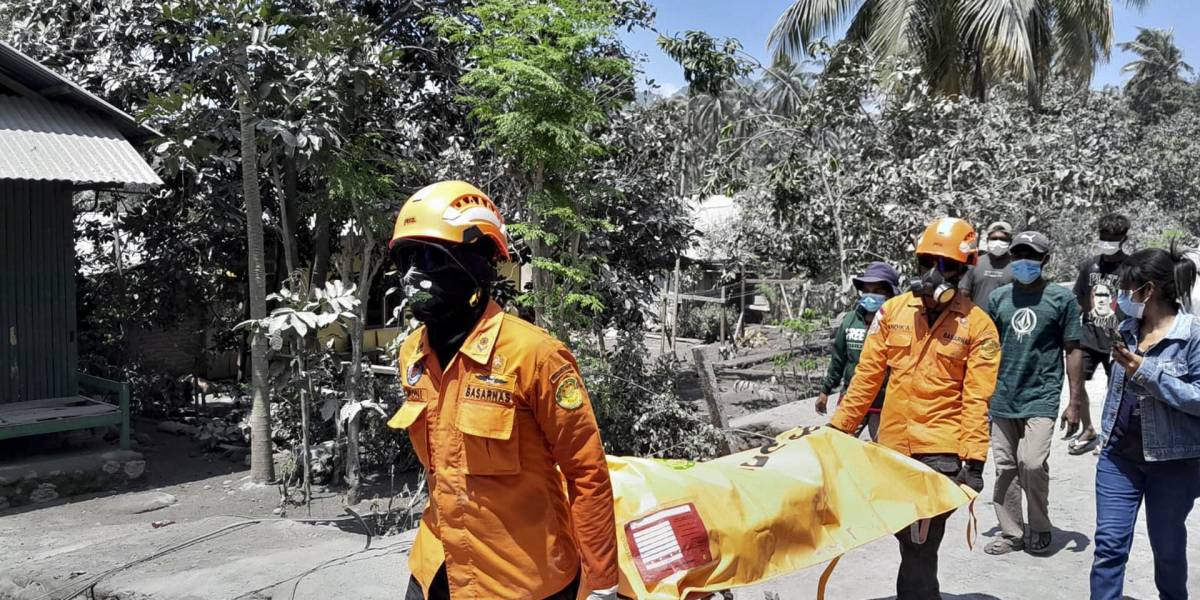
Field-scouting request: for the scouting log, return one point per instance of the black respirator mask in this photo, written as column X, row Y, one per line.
column 938, row 281
column 442, row 284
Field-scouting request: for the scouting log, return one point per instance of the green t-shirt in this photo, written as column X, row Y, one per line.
column 1035, row 325
column 848, row 341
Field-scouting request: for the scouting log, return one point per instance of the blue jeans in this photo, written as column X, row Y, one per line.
column 1170, row 490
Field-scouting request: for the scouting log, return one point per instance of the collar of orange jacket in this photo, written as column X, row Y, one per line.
column 478, row 345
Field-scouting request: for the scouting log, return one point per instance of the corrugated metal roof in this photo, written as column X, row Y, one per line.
column 45, row 82
column 45, row 140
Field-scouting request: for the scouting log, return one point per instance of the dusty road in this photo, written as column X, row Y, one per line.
column 59, row 547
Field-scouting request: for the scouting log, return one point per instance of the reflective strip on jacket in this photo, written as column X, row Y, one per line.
column 941, row 378
column 519, row 487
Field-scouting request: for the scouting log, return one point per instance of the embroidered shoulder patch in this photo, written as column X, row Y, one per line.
column 990, row 349
column 558, row 374
column 569, row 393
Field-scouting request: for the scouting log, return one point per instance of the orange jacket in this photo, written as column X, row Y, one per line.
column 941, row 378
column 519, row 486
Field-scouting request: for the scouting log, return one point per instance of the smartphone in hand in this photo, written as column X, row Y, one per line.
column 1114, row 334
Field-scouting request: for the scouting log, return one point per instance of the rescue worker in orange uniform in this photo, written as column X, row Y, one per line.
column 520, row 500
column 943, row 355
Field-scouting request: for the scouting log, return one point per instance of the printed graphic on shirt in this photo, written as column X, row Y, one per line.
column 569, row 394
column 855, row 337
column 1023, row 322
column 1104, row 297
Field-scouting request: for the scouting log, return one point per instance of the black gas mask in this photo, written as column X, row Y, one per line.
column 443, row 284
column 938, row 279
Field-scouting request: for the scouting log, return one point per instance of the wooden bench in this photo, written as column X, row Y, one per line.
column 53, row 415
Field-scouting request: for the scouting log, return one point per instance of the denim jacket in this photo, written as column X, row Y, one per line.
column 1168, row 391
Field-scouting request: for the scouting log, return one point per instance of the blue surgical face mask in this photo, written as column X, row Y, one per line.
column 871, row 302
column 1026, row 270
column 1131, row 309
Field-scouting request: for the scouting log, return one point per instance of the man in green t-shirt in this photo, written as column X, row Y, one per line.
column 877, row 283
column 1038, row 322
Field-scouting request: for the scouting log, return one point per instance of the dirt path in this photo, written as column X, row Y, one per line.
column 61, row 546
column 51, row 550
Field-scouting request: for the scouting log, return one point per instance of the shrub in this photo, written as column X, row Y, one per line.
column 639, row 412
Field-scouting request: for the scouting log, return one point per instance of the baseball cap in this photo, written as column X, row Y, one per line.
column 998, row 226
column 1033, row 239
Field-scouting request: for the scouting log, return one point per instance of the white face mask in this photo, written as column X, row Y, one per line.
column 1108, row 248
column 997, row 247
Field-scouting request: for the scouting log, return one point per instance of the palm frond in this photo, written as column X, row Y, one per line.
column 891, row 32
column 806, row 20
column 997, row 32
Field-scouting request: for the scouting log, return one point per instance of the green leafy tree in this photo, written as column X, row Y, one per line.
column 543, row 79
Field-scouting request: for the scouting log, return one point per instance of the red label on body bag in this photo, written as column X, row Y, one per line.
column 667, row 542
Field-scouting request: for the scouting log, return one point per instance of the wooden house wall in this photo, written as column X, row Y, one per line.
column 38, row 342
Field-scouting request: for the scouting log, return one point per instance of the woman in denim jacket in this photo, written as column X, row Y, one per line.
column 1151, row 427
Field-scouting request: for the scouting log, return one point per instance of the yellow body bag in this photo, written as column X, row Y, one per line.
column 807, row 498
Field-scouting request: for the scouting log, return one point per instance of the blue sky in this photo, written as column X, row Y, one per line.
column 750, row 21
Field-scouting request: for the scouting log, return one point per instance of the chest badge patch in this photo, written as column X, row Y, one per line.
column 492, row 379
column 415, row 372
column 569, row 393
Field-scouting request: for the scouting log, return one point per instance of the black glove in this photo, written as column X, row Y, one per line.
column 971, row 474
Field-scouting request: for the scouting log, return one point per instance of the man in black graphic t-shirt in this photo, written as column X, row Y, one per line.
column 1096, row 291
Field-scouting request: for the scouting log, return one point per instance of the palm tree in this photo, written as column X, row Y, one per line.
column 1159, row 60
column 262, row 461
column 963, row 46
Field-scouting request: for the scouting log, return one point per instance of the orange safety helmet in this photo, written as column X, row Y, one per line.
column 451, row 211
column 950, row 238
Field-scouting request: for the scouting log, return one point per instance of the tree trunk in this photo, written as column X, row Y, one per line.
column 122, row 283
column 289, row 215
column 839, row 231
column 321, row 252
column 262, row 462
column 543, row 280
column 366, row 275
column 304, row 421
